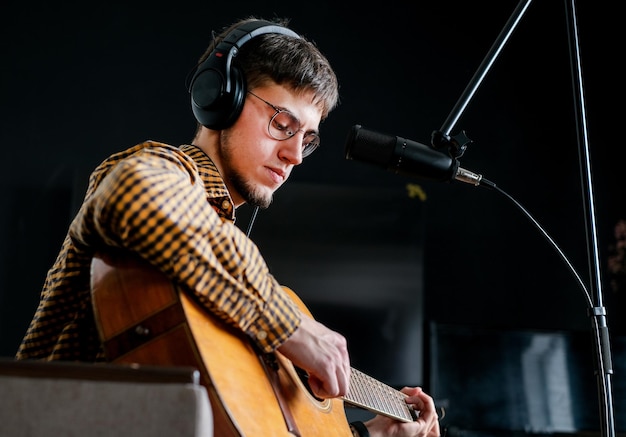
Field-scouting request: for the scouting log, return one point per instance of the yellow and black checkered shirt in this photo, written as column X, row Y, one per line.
column 170, row 206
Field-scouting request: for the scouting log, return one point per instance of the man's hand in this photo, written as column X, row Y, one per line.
column 323, row 354
column 426, row 425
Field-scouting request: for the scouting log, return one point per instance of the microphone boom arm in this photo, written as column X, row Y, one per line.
column 482, row 71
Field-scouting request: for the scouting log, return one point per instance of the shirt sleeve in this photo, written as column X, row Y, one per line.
column 153, row 203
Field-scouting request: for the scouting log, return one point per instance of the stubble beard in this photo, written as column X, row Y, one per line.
column 246, row 189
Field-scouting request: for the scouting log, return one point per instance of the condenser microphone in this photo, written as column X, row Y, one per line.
column 405, row 157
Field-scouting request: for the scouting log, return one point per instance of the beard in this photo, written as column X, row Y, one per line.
column 246, row 189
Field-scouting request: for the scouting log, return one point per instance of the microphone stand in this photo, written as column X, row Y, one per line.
column 456, row 146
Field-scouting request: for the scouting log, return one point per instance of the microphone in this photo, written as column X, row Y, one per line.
column 405, row 157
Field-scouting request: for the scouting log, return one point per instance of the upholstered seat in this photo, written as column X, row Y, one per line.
column 77, row 399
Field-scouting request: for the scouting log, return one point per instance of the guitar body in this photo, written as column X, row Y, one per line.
column 143, row 318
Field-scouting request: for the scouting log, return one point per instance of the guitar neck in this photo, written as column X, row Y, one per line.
column 372, row 395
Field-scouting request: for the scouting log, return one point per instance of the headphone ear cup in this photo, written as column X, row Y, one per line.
column 218, row 88
column 212, row 105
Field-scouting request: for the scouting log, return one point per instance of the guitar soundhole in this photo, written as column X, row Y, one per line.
column 304, row 378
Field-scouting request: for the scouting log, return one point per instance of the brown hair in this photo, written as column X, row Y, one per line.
column 296, row 63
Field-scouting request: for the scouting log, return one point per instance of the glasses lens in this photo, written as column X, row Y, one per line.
column 285, row 125
column 309, row 144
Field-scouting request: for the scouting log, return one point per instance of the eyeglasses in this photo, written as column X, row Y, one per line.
column 284, row 125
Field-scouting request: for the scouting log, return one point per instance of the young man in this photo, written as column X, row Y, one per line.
column 259, row 94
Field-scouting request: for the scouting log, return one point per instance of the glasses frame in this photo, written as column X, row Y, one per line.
column 307, row 147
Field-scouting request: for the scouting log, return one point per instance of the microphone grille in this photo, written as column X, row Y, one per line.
column 369, row 146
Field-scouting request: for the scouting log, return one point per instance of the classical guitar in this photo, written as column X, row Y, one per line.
column 144, row 319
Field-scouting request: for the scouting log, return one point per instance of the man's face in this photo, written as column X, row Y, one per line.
column 255, row 164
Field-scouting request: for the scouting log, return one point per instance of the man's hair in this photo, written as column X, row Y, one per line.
column 295, row 63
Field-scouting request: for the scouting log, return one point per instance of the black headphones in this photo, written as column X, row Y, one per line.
column 218, row 88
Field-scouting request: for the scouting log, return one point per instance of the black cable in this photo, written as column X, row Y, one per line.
column 490, row 184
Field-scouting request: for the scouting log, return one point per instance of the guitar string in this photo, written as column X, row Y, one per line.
column 377, row 397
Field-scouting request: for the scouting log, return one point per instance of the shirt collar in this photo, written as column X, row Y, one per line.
column 216, row 192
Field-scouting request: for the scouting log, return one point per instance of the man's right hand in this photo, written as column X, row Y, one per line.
column 323, row 354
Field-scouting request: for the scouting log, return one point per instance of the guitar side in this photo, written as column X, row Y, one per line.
column 142, row 318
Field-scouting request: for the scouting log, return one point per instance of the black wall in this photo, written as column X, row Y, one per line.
column 80, row 82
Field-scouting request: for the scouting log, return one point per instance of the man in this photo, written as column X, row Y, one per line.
column 259, row 94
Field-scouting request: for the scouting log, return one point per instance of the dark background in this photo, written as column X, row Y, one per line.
column 79, row 82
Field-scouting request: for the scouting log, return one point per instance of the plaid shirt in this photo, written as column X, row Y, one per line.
column 170, row 206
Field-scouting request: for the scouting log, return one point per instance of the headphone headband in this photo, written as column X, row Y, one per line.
column 218, row 88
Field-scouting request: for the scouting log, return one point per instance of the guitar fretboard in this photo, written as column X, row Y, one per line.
column 370, row 394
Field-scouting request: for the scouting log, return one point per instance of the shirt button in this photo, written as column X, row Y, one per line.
column 225, row 204
column 261, row 335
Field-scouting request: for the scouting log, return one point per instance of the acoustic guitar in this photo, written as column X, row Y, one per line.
column 143, row 318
